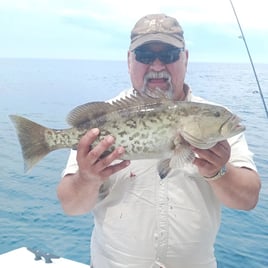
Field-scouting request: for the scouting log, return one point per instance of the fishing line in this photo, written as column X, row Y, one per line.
column 251, row 61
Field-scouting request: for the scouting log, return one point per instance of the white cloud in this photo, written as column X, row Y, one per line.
column 84, row 24
column 252, row 14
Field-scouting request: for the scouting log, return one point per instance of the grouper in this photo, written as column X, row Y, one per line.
column 148, row 128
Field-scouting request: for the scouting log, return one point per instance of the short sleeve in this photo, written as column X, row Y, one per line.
column 241, row 156
column 71, row 166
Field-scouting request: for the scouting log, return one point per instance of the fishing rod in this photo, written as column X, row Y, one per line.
column 251, row 61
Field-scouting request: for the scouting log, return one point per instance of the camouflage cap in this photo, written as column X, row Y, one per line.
column 157, row 27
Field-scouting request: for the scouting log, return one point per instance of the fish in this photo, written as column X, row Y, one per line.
column 147, row 128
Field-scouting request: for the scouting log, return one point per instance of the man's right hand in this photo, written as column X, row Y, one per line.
column 91, row 167
column 79, row 192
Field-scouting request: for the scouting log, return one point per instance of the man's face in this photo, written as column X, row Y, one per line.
column 156, row 74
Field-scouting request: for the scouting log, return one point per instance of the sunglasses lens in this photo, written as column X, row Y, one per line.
column 145, row 57
column 166, row 56
column 169, row 56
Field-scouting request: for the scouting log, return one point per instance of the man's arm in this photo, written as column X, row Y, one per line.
column 240, row 186
column 78, row 192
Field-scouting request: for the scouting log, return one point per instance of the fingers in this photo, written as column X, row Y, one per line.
column 218, row 154
column 91, row 161
column 211, row 160
column 95, row 154
column 221, row 150
column 108, row 171
column 107, row 160
column 85, row 150
column 85, row 142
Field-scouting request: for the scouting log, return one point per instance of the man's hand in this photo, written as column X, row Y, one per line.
column 91, row 167
column 210, row 161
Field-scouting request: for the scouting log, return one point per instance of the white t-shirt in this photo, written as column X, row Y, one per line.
column 142, row 221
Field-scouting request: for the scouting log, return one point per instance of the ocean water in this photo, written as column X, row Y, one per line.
column 46, row 90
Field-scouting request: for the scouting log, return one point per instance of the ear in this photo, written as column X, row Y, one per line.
column 186, row 58
column 128, row 59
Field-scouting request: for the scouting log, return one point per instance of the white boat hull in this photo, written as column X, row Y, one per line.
column 24, row 257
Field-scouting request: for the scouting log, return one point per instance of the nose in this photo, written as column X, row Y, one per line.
column 157, row 65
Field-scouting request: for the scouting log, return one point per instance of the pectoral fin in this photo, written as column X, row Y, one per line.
column 182, row 156
column 163, row 168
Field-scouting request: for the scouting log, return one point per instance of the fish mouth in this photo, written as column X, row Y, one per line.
column 232, row 126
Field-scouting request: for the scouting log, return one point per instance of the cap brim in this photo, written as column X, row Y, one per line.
column 163, row 38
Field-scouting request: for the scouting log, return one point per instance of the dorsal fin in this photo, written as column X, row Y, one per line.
column 88, row 112
column 139, row 99
column 94, row 110
column 156, row 93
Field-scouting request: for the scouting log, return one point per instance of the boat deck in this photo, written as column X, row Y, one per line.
column 25, row 257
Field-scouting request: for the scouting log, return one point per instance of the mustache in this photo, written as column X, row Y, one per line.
column 157, row 75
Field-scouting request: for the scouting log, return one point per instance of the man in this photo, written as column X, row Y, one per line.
column 142, row 221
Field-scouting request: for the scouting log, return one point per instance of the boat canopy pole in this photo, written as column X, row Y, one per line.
column 244, row 39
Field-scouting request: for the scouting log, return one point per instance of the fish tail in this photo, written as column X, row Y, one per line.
column 32, row 140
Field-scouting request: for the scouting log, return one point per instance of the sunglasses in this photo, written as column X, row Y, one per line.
column 165, row 56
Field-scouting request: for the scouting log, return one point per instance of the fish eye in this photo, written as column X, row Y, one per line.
column 217, row 114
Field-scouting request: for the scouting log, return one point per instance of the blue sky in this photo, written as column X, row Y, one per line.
column 100, row 29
